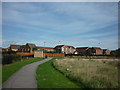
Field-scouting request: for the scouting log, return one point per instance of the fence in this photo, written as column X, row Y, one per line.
column 25, row 54
column 45, row 54
column 54, row 54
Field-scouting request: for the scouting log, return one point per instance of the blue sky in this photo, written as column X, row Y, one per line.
column 76, row 23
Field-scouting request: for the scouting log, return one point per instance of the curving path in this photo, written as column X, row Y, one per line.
column 25, row 77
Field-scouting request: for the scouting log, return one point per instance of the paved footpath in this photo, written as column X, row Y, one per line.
column 25, row 77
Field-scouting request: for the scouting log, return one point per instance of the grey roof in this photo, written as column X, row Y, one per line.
column 22, row 46
column 59, row 45
column 31, row 45
column 63, row 45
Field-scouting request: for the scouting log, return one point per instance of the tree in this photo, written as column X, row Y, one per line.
column 115, row 53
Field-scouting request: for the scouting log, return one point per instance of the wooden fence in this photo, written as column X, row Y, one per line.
column 25, row 54
column 44, row 54
column 54, row 54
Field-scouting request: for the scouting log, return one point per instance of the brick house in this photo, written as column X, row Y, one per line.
column 14, row 47
column 94, row 51
column 81, row 50
column 4, row 49
column 46, row 49
column 29, row 47
column 65, row 49
column 106, row 52
column 89, row 50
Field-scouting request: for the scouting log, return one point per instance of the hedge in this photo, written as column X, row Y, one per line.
column 10, row 58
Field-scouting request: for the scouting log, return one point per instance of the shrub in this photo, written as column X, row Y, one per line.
column 9, row 58
column 9, row 52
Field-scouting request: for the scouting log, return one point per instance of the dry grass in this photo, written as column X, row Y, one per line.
column 92, row 57
column 91, row 73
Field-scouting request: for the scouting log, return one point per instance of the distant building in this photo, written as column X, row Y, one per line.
column 65, row 49
column 14, row 47
column 29, row 47
column 95, row 51
column 106, row 52
column 46, row 49
column 4, row 49
column 81, row 50
column 89, row 50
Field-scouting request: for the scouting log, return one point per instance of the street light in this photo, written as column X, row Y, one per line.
column 99, row 44
column 59, row 42
column 43, row 48
column 44, row 44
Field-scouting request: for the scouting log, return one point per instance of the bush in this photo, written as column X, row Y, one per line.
column 9, row 52
column 10, row 58
column 115, row 53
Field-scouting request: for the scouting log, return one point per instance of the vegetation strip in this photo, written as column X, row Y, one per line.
column 49, row 77
column 91, row 73
column 10, row 69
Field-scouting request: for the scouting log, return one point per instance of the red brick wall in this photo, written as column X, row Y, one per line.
column 45, row 54
column 54, row 54
column 99, row 52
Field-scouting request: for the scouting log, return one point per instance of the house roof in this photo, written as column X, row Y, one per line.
column 59, row 46
column 22, row 46
column 45, row 47
column 105, row 50
column 31, row 45
column 68, row 46
column 89, row 48
column 81, row 47
column 1, row 48
column 14, row 46
column 64, row 45
column 96, row 48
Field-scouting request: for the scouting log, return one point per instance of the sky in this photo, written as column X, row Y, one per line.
column 80, row 24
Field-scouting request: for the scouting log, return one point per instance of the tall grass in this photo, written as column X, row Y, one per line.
column 93, row 57
column 91, row 73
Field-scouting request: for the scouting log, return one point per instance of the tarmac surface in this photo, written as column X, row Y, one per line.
column 25, row 77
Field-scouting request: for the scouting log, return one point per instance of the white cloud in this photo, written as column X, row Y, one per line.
column 69, row 18
column 84, row 16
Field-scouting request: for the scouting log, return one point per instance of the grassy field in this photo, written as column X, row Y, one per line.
column 10, row 69
column 92, row 57
column 91, row 73
column 49, row 77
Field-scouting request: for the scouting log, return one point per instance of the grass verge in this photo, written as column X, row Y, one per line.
column 10, row 69
column 92, row 74
column 49, row 77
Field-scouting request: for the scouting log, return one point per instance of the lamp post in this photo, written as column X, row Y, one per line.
column 99, row 44
column 44, row 49
column 44, row 44
column 59, row 42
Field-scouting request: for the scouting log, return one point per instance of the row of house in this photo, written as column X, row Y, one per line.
column 66, row 49
column 92, row 51
column 81, row 50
